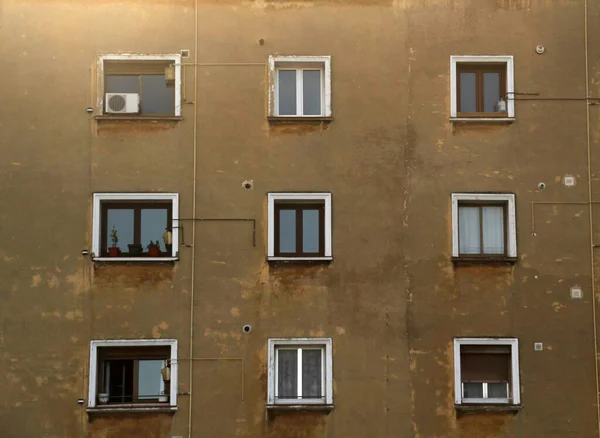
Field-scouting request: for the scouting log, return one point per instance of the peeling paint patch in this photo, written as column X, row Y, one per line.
column 36, row 280
column 557, row 306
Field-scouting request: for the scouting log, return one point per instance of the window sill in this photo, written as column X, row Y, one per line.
column 474, row 408
column 482, row 119
column 132, row 408
column 300, row 407
column 296, row 119
column 132, row 118
column 307, row 260
column 135, row 259
column 465, row 260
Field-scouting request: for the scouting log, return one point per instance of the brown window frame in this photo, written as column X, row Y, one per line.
column 299, row 207
column 479, row 69
column 134, row 354
column 481, row 204
column 137, row 223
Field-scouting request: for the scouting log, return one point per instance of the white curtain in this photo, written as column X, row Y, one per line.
column 468, row 230
column 493, row 230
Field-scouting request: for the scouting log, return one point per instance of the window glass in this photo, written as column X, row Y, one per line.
column 310, row 231
column 154, row 223
column 122, row 84
column 150, row 383
column 468, row 230
column 120, row 381
column 287, row 373
column 491, row 92
column 287, row 231
column 468, row 92
column 156, row 96
column 497, row 390
column 287, row 92
column 122, row 221
column 472, row 390
column 311, row 373
column 493, row 230
column 312, row 92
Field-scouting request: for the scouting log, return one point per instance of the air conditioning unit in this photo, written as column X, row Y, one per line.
column 122, row 103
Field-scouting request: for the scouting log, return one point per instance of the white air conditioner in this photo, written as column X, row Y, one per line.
column 123, row 103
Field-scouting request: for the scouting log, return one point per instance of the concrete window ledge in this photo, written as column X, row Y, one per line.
column 473, row 409
column 324, row 408
column 147, row 260
column 131, row 409
column 153, row 119
column 485, row 260
column 299, row 120
column 505, row 120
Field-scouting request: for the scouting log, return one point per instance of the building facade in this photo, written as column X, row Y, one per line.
column 299, row 219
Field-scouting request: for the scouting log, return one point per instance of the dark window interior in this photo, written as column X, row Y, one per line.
column 299, row 229
column 146, row 78
column 135, row 224
column 479, row 88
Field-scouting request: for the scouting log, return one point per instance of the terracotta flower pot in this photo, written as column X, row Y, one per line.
column 113, row 251
column 154, row 251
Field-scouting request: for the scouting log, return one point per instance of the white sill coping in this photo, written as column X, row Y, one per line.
column 298, row 259
column 486, row 401
column 136, row 408
column 135, row 259
column 301, row 407
column 483, row 119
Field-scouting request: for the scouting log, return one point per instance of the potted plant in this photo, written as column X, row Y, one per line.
column 153, row 249
column 103, row 398
column 113, row 251
column 163, row 398
column 134, row 249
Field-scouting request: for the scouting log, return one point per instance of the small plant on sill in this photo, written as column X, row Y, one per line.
column 113, row 251
column 154, row 248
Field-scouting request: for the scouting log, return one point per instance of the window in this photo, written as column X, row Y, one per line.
column 140, row 85
column 300, row 372
column 486, row 371
column 482, row 87
column 133, row 374
column 299, row 226
column 135, row 226
column 483, row 225
column 300, row 86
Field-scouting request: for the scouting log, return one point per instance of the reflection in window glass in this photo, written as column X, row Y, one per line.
column 287, row 92
column 154, row 223
column 491, row 92
column 287, row 231
column 310, row 231
column 122, row 221
column 150, row 383
column 468, row 92
column 312, row 92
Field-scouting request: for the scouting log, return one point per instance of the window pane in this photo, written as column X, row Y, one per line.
column 468, row 230
column 156, row 97
column 120, row 381
column 312, row 92
column 493, row 230
column 287, row 92
column 310, row 231
column 287, row 231
column 468, row 92
column 150, row 382
column 154, row 223
column 287, row 373
column 491, row 92
column 497, row 390
column 473, row 390
column 122, row 84
column 311, row 373
column 122, row 221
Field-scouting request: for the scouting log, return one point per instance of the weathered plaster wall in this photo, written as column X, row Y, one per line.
column 392, row 301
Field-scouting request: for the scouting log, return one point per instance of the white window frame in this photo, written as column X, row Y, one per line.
column 96, row 230
column 511, row 225
column 510, row 85
column 514, row 394
column 327, row 369
column 112, row 343
column 175, row 57
column 322, row 63
column 298, row 197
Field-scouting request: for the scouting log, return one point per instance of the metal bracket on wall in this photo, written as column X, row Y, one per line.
column 221, row 219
